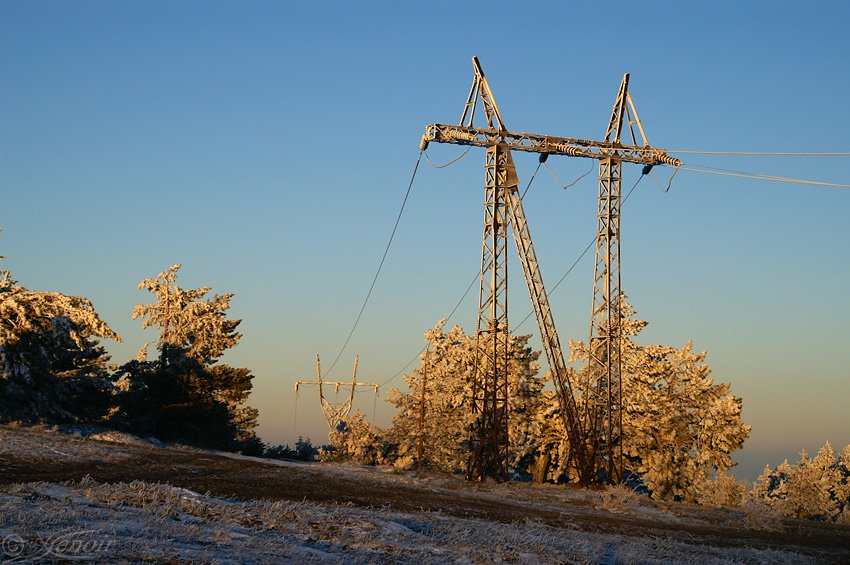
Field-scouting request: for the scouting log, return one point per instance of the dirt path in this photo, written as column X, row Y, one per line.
column 28, row 456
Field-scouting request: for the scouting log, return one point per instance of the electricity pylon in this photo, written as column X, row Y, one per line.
column 594, row 442
column 335, row 411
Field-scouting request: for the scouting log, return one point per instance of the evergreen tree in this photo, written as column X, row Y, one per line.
column 445, row 372
column 52, row 367
column 679, row 427
column 842, row 488
column 185, row 395
column 722, row 491
column 357, row 440
column 196, row 327
column 817, row 489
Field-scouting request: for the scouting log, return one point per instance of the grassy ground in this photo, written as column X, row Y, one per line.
column 119, row 499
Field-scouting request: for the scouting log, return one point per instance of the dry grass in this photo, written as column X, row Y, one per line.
column 303, row 521
column 760, row 516
column 140, row 521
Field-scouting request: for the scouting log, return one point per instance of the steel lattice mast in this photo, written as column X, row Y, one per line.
column 605, row 416
column 604, row 393
column 490, row 381
column 595, row 443
column 335, row 411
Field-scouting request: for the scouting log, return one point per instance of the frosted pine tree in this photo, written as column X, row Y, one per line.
column 196, row 326
column 357, row 440
column 842, row 489
column 186, row 394
column 684, row 426
column 552, row 461
column 771, row 486
column 525, row 388
column 811, row 488
column 722, row 491
column 52, row 367
column 679, row 427
column 446, row 370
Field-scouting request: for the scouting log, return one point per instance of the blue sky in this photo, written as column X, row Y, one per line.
column 267, row 146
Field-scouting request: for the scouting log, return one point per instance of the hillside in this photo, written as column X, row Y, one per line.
column 115, row 498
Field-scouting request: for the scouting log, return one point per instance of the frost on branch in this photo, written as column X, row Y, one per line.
column 24, row 311
column 185, row 395
column 197, row 326
column 445, row 374
column 52, row 367
column 679, row 427
column 816, row 488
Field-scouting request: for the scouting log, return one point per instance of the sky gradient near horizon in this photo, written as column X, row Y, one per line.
column 267, row 146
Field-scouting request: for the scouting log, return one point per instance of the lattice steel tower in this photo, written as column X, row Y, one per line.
column 595, row 440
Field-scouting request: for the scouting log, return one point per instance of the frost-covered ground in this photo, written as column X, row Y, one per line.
column 106, row 520
column 152, row 522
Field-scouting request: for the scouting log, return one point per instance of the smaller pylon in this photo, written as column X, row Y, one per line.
column 336, row 411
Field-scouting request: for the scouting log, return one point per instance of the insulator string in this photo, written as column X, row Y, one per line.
column 766, row 153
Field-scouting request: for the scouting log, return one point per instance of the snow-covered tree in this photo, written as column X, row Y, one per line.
column 679, row 427
column 357, row 440
column 816, row 488
column 196, row 326
column 842, row 488
column 186, row 395
column 722, row 491
column 445, row 372
column 52, row 367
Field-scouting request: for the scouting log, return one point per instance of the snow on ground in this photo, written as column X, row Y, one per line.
column 137, row 522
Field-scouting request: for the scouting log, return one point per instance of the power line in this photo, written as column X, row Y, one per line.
column 452, row 162
column 531, row 180
column 708, row 170
column 575, row 180
column 758, row 176
column 590, row 245
column 380, row 265
column 576, row 262
column 704, row 169
column 447, row 318
column 468, row 288
column 587, row 249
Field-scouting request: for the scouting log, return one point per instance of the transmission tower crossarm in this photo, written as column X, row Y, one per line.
column 549, row 144
column 335, row 384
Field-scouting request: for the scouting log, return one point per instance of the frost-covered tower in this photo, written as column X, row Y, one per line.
column 594, row 443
